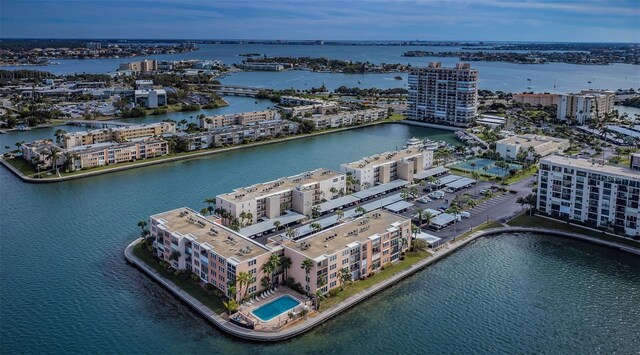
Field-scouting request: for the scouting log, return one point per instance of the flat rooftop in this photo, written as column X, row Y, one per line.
column 223, row 241
column 530, row 140
column 276, row 186
column 587, row 164
column 384, row 158
column 334, row 239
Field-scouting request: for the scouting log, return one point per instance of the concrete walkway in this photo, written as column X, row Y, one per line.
column 311, row 322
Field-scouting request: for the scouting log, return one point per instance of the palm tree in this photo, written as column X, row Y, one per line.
column 415, row 230
column 204, row 211
column 404, row 193
column 307, row 264
column 315, row 227
column 360, row 210
column 277, row 225
column 267, row 268
column 413, row 191
column 531, row 200
column 54, row 155
column 471, row 203
column 420, row 212
column 274, row 261
column 249, row 217
column 211, row 202
column 476, row 176
column 344, row 277
column 319, row 297
column 244, row 279
column 285, row 261
column 340, row 214
column 142, row 224
column 292, row 233
column 427, row 217
column 231, row 305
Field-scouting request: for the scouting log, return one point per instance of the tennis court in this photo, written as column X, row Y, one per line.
column 485, row 167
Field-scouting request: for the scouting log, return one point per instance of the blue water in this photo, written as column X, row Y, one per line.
column 270, row 310
column 508, row 77
column 65, row 287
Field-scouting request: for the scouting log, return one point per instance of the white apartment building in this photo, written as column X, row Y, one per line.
column 296, row 193
column 299, row 101
column 440, row 95
column 386, row 167
column 595, row 194
column 348, row 118
column 509, row 148
column 243, row 118
column 585, row 106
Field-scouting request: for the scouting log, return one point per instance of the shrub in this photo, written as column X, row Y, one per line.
column 334, row 292
column 195, row 278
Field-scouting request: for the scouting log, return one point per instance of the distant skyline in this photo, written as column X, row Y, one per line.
column 471, row 20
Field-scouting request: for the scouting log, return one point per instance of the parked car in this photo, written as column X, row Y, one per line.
column 437, row 195
column 448, row 190
column 465, row 214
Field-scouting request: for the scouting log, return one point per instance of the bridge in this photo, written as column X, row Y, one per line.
column 99, row 124
column 236, row 90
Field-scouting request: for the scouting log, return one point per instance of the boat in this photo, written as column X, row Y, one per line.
column 414, row 142
column 359, row 82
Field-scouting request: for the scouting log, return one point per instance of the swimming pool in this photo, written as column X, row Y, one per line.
column 270, row 310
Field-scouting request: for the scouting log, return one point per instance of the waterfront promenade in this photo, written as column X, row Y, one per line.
column 311, row 322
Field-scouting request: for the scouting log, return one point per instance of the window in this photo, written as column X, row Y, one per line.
column 345, row 261
column 252, row 262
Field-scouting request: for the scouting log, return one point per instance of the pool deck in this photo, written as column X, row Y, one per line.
column 282, row 319
column 312, row 321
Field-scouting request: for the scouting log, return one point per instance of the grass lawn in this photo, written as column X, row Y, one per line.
column 525, row 221
column 360, row 285
column 22, row 166
column 485, row 225
column 522, row 175
column 192, row 288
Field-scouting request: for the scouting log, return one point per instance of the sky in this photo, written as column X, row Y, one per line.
column 437, row 20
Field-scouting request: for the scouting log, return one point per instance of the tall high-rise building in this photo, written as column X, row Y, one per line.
column 440, row 95
column 591, row 193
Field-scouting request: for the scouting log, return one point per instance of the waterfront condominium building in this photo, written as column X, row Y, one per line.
column 585, row 106
column 529, row 144
column 348, row 118
column 389, row 166
column 244, row 118
column 441, row 95
column 595, row 194
column 187, row 240
column 100, row 154
column 232, row 135
column 299, row 101
column 142, row 66
column 362, row 246
column 296, row 193
column 120, row 134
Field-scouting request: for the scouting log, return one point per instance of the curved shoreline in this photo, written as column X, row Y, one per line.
column 198, row 154
column 348, row 303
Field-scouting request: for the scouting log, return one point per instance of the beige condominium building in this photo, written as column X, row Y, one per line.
column 100, row 154
column 361, row 246
column 442, row 95
column 389, row 166
column 142, row 66
column 120, row 134
column 509, row 148
column 299, row 101
column 585, row 106
column 243, row 118
column 323, row 108
column 536, row 99
column 187, row 240
column 588, row 192
column 296, row 193
column 348, row 118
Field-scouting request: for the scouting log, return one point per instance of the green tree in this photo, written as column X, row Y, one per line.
column 344, row 277
column 307, row 265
